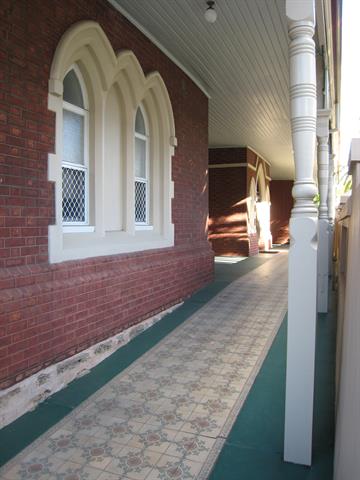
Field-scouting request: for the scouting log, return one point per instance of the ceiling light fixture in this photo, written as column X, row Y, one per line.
column 210, row 13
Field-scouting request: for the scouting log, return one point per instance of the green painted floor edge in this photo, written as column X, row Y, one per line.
column 253, row 450
column 23, row 431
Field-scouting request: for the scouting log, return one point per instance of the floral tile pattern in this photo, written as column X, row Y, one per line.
column 166, row 416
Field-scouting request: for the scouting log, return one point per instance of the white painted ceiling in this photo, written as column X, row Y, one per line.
column 241, row 61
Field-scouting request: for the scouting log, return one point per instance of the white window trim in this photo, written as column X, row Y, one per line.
column 86, row 44
column 78, row 229
column 140, row 226
column 146, row 180
column 84, row 112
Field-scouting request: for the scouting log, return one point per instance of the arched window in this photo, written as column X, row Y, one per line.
column 141, row 170
column 115, row 137
column 75, row 150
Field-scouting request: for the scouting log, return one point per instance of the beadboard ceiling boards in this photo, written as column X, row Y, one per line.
column 242, row 62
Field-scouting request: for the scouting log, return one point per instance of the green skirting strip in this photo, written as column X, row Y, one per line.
column 19, row 434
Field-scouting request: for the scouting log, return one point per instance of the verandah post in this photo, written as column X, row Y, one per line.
column 323, row 181
column 302, row 309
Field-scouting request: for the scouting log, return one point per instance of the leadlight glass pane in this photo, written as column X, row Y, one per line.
column 140, row 123
column 73, row 195
column 73, row 138
column 72, row 90
column 140, row 202
column 140, row 158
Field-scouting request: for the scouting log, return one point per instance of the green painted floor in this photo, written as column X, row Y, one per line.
column 253, row 449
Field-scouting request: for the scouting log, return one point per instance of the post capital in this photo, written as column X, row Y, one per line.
column 298, row 10
column 322, row 126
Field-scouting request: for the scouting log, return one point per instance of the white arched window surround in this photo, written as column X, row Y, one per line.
column 73, row 169
column 115, row 86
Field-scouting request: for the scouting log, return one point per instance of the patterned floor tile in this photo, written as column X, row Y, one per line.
column 134, row 463
column 203, row 425
column 96, row 453
column 193, row 447
column 174, row 468
column 109, row 476
column 73, row 471
column 64, row 444
column 153, row 438
column 169, row 420
column 161, row 418
column 34, row 467
column 119, row 431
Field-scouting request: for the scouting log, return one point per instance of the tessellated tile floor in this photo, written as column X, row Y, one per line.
column 168, row 414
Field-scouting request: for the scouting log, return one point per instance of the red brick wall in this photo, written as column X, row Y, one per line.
column 48, row 312
column 253, row 244
column 227, row 155
column 228, row 190
column 281, row 205
column 227, row 203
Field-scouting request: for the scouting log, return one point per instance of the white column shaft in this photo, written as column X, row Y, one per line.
column 303, row 232
column 331, row 190
column 323, row 238
column 323, row 175
column 331, row 209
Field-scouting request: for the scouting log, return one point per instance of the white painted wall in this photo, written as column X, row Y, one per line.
column 114, row 168
column 347, row 441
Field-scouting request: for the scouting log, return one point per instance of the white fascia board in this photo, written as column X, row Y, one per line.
column 329, row 51
column 324, row 30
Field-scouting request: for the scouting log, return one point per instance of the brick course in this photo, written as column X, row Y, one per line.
column 48, row 312
column 281, row 205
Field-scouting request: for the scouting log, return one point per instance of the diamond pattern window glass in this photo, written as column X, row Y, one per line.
column 140, row 202
column 73, row 195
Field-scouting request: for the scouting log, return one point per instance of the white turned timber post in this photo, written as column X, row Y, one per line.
column 323, row 235
column 331, row 209
column 303, row 232
column 331, row 194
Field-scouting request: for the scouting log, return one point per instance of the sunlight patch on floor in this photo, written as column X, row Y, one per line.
column 229, row 259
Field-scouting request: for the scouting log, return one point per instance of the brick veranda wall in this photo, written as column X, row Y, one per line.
column 227, row 202
column 229, row 188
column 49, row 312
column 281, row 205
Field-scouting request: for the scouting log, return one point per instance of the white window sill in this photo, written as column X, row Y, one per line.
column 78, row 229
column 86, row 241
column 144, row 227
